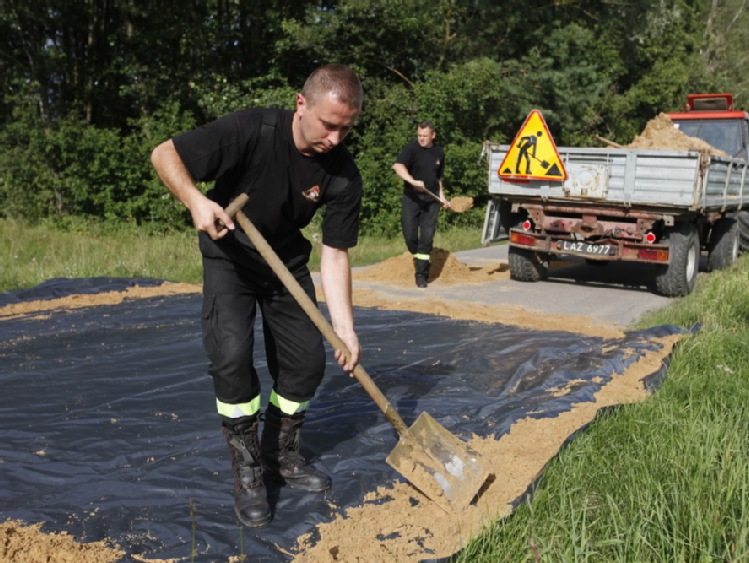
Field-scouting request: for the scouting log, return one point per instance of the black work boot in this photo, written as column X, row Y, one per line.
column 422, row 272
column 282, row 461
column 250, row 497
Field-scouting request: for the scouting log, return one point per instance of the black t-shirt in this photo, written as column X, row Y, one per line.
column 426, row 164
column 253, row 151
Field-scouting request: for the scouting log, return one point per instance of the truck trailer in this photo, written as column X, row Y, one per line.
column 659, row 206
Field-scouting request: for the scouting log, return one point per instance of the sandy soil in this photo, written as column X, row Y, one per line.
column 408, row 527
column 397, row 523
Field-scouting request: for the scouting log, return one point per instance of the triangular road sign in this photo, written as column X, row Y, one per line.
column 533, row 154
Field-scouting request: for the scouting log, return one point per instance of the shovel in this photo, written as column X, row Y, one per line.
column 445, row 469
column 457, row 205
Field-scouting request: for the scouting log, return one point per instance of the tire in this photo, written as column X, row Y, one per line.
column 723, row 249
column 742, row 218
column 677, row 278
column 526, row 265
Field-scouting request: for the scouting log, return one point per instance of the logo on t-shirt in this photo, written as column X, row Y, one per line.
column 312, row 194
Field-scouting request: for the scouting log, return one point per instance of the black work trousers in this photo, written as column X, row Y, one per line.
column 419, row 223
column 235, row 282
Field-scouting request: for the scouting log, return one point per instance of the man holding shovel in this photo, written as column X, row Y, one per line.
column 290, row 163
column 421, row 165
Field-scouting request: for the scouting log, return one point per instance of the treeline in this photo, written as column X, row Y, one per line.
column 89, row 87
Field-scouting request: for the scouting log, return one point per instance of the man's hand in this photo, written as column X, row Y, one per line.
column 351, row 341
column 209, row 217
column 418, row 185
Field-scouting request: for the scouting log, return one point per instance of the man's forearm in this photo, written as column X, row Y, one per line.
column 173, row 173
column 402, row 173
column 335, row 275
column 207, row 216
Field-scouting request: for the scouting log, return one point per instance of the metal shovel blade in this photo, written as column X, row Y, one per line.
column 444, row 468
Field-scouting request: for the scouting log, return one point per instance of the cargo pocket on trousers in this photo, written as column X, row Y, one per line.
column 208, row 325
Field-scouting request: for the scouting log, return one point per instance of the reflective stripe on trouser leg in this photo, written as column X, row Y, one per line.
column 422, row 257
column 240, row 410
column 286, row 406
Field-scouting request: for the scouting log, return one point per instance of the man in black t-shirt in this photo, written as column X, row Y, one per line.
column 291, row 163
column 421, row 165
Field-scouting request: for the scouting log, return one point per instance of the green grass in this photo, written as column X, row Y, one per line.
column 663, row 480
column 32, row 254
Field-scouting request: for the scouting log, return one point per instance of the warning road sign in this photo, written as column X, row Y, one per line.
column 533, row 154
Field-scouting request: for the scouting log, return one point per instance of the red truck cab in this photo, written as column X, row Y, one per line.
column 711, row 117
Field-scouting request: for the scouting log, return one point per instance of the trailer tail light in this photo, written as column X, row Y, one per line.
column 653, row 254
column 527, row 225
column 520, row 238
column 649, row 237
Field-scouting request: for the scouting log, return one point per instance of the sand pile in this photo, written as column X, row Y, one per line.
column 444, row 269
column 660, row 133
column 27, row 543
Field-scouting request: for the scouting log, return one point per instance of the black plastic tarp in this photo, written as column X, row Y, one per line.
column 109, row 427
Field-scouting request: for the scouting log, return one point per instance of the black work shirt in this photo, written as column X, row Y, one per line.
column 253, row 151
column 426, row 164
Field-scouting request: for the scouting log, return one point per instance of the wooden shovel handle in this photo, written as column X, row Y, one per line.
column 433, row 195
column 309, row 307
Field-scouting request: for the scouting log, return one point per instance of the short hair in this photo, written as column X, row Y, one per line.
column 426, row 125
column 337, row 80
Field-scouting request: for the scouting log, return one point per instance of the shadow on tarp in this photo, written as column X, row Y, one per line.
column 110, row 432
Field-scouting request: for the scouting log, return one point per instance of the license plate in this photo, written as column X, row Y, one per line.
column 580, row 247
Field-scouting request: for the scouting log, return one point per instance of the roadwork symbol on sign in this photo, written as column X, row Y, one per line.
column 533, row 154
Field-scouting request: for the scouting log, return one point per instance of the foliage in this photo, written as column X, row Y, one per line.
column 89, row 88
column 74, row 169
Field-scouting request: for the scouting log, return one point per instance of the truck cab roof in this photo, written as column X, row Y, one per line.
column 711, row 117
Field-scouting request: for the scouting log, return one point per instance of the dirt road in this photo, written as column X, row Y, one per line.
column 616, row 294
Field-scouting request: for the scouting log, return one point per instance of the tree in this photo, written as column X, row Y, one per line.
column 85, row 84
column 726, row 57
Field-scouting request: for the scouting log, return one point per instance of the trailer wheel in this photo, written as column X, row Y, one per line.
column 723, row 249
column 742, row 217
column 677, row 278
column 526, row 265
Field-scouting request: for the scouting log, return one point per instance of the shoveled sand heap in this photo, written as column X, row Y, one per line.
column 660, row 133
column 444, row 269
